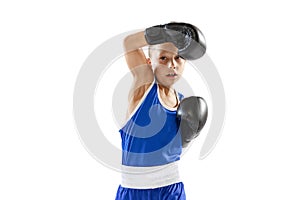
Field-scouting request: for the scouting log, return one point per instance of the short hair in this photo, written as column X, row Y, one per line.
column 150, row 47
column 155, row 48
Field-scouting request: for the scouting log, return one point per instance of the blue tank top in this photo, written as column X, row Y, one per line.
column 151, row 136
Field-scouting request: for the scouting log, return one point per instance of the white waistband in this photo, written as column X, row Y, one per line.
column 150, row 177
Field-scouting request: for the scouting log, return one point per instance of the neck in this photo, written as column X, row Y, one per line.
column 166, row 90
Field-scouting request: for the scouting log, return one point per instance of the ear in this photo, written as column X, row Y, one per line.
column 148, row 61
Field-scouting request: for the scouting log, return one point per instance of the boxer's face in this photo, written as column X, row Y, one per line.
column 167, row 65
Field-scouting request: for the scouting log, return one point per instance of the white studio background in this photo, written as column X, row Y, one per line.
column 254, row 45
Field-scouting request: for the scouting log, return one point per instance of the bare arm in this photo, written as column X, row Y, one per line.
column 139, row 67
column 134, row 54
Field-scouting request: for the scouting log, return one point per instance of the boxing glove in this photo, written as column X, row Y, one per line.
column 186, row 37
column 192, row 115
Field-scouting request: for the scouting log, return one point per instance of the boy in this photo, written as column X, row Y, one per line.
column 152, row 140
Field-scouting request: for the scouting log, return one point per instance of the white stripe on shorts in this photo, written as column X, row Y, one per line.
column 150, row 177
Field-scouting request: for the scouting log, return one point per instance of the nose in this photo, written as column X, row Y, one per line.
column 172, row 64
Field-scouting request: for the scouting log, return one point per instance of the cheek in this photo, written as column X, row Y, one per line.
column 181, row 67
column 159, row 67
column 159, row 70
column 156, row 70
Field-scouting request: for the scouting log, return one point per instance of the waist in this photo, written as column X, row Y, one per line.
column 150, row 177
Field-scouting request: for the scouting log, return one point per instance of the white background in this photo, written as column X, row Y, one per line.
column 254, row 44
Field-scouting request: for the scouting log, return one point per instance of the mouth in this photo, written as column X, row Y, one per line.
column 172, row 75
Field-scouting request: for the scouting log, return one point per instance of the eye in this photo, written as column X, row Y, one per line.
column 163, row 58
column 179, row 57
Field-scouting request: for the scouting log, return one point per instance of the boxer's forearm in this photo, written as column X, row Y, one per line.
column 135, row 41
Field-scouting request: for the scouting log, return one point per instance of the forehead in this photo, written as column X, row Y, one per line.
column 164, row 48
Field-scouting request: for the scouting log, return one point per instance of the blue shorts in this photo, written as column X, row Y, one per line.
column 170, row 192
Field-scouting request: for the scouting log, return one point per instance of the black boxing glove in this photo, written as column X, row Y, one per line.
column 156, row 35
column 192, row 115
column 187, row 38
